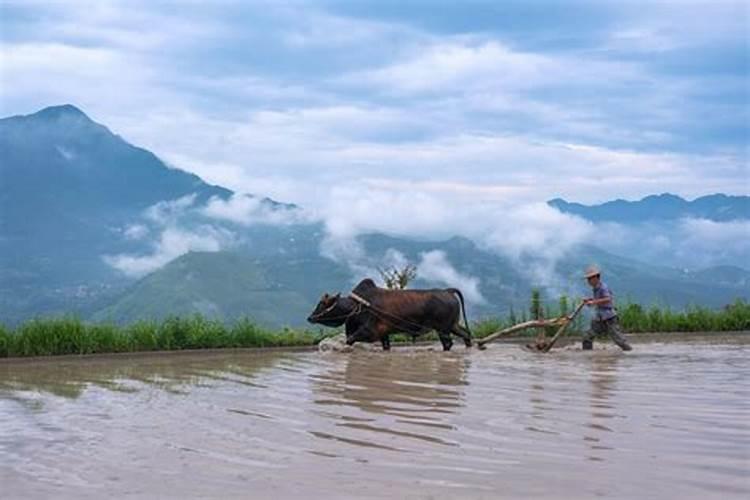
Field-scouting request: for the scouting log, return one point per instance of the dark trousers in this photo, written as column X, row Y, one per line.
column 610, row 326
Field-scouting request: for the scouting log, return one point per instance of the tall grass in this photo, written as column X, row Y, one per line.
column 634, row 318
column 70, row 335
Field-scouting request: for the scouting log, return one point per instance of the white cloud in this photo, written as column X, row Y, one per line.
column 534, row 235
column 707, row 242
column 248, row 210
column 376, row 126
column 435, row 267
column 135, row 232
column 169, row 211
column 465, row 65
column 172, row 243
column 691, row 243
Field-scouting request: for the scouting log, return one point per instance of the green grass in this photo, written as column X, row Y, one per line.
column 70, row 335
column 635, row 318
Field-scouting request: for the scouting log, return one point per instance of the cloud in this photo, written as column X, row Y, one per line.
column 692, row 243
column 172, row 243
column 533, row 235
column 435, row 267
column 249, row 210
column 279, row 100
column 432, row 267
column 169, row 211
column 398, row 124
column 176, row 230
column 179, row 227
column 463, row 65
column 706, row 242
column 135, row 232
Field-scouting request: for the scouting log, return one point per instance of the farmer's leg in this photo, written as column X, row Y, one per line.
column 615, row 332
column 588, row 336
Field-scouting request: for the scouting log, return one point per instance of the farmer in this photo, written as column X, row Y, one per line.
column 605, row 319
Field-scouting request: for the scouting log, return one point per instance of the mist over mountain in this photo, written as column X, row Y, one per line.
column 92, row 225
column 711, row 231
column 72, row 192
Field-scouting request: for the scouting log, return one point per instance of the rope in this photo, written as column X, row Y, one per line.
column 382, row 314
column 353, row 312
column 361, row 302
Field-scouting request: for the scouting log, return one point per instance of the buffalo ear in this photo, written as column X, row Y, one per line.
column 337, row 296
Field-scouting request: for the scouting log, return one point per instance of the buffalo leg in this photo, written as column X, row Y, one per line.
column 445, row 339
column 358, row 335
column 463, row 333
column 386, row 341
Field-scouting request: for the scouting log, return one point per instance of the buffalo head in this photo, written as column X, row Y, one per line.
column 332, row 310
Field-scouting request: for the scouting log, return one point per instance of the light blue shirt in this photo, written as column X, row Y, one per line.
column 604, row 311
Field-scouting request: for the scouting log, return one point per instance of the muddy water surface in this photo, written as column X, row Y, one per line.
column 669, row 420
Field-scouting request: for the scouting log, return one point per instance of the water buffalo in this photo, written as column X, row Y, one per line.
column 385, row 312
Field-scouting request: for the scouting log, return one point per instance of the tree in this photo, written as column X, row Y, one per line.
column 398, row 279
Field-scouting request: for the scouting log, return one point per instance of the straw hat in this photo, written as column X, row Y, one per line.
column 592, row 270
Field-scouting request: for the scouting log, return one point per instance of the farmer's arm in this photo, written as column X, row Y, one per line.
column 604, row 297
column 593, row 302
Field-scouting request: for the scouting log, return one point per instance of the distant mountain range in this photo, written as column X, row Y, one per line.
column 715, row 207
column 72, row 192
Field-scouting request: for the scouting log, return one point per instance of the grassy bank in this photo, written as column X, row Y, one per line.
column 636, row 318
column 56, row 336
column 45, row 337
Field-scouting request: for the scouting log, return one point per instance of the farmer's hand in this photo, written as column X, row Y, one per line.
column 588, row 301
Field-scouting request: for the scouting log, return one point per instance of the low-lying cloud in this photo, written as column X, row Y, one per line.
column 172, row 243
column 434, row 267
column 182, row 225
column 692, row 243
column 248, row 210
column 533, row 235
column 175, row 234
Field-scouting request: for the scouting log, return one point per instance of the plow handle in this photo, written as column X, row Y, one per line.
column 564, row 326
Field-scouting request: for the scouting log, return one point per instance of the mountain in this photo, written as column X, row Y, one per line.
column 73, row 193
column 223, row 285
column 663, row 207
column 68, row 187
column 274, row 291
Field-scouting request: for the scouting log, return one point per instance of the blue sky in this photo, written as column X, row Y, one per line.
column 504, row 102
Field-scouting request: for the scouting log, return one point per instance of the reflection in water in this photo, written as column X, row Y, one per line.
column 603, row 379
column 173, row 372
column 396, row 384
column 393, row 394
column 667, row 420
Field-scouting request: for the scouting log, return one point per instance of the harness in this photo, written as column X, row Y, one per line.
column 357, row 309
column 392, row 318
column 363, row 303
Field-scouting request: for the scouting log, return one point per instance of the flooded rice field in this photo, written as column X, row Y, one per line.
column 669, row 420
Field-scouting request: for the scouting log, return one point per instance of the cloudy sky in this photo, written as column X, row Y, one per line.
column 512, row 101
column 417, row 119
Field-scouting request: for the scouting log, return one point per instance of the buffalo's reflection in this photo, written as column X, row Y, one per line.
column 174, row 373
column 392, row 401
column 409, row 386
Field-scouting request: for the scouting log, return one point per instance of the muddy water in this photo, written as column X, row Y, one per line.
column 669, row 420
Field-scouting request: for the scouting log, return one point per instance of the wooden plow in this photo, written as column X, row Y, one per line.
column 541, row 344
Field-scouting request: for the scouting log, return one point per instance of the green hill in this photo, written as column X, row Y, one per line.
column 277, row 291
column 221, row 285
